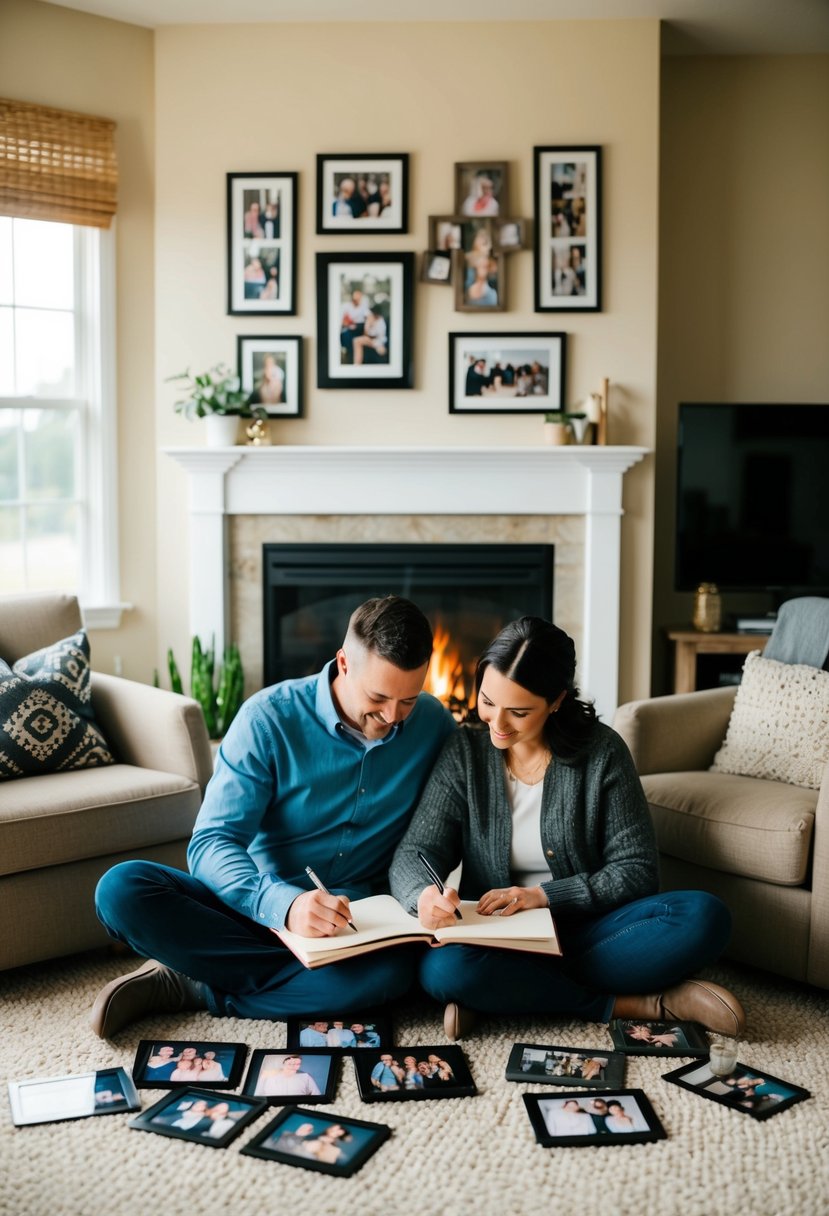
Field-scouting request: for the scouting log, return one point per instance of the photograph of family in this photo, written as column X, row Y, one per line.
column 414, row 1072
column 365, row 307
column 261, row 224
column 198, row 1115
column 330, row 1144
column 165, row 1062
column 625, row 1116
column 364, row 320
column 745, row 1089
column 282, row 1076
column 567, row 228
column 506, row 373
column 563, row 1065
column 340, row 1033
column 362, row 193
column 637, row 1037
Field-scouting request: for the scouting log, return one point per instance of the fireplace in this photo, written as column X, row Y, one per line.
column 467, row 591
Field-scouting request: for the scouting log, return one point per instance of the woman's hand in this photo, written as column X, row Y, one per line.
column 436, row 911
column 505, row 901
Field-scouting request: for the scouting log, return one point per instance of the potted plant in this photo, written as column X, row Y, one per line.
column 556, row 427
column 217, row 396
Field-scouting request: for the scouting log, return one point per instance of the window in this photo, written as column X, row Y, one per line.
column 57, row 413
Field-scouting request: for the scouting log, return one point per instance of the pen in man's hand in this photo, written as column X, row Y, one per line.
column 322, row 887
column 427, row 866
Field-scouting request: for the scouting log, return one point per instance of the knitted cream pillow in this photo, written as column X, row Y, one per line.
column 779, row 727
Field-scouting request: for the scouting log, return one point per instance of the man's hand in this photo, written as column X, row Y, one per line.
column 505, row 901
column 436, row 911
column 318, row 914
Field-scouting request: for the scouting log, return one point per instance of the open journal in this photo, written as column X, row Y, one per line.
column 381, row 922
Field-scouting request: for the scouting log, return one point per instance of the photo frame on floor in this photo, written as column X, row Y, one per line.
column 282, row 1077
column 364, row 320
column 752, row 1091
column 403, row 1073
column 339, row 1032
column 200, row 1115
column 106, row 1091
column 261, row 244
column 506, row 373
column 568, row 229
column 271, row 370
column 327, row 1143
column 582, row 1118
column 595, row 1067
column 637, row 1037
column 362, row 193
column 169, row 1063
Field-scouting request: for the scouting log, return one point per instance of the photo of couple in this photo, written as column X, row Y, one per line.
column 365, row 306
column 636, row 1037
column 198, row 1115
column 745, row 1089
column 330, row 1144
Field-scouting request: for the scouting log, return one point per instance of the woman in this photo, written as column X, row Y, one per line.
column 545, row 809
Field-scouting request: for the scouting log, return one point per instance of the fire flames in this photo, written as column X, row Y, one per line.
column 446, row 678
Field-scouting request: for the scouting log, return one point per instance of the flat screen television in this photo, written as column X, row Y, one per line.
column 753, row 498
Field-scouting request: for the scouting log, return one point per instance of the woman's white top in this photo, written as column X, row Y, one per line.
column 526, row 859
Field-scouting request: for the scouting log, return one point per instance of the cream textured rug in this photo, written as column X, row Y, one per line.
column 445, row 1158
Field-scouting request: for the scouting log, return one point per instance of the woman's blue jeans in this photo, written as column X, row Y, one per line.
column 645, row 947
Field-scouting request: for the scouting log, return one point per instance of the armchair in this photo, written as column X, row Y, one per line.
column 762, row 846
column 60, row 831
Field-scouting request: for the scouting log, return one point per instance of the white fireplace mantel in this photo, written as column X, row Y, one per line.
column 311, row 480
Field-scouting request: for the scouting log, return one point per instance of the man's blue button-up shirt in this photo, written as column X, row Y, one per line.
column 293, row 789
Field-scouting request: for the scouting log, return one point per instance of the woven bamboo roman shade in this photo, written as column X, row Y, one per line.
column 57, row 165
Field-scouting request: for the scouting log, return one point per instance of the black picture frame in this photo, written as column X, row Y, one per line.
column 283, row 354
column 689, row 1038
column 448, row 1075
column 381, row 205
column 282, row 1140
column 262, row 269
column 481, row 188
column 698, row 1078
column 104, row 1091
column 376, row 1032
column 149, row 1072
column 556, row 1123
column 384, row 283
column 593, row 1067
column 318, row 1070
column 226, row 1115
column 529, row 391
column 568, row 228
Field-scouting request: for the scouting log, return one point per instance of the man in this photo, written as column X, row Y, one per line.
column 319, row 772
column 315, row 1034
column 386, row 1074
column 352, row 322
column 340, row 1035
column 287, row 1079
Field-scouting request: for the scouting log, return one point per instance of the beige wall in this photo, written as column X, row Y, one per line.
column 262, row 98
column 744, row 260
column 76, row 62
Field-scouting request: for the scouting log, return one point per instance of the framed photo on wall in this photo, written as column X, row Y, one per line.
column 512, row 373
column 568, row 244
column 362, row 192
column 271, row 370
column 481, row 188
column 261, row 243
column 480, row 281
column 364, row 320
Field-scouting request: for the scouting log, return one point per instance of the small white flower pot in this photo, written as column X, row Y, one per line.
column 222, row 430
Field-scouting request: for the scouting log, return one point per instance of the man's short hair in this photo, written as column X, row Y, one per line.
column 394, row 629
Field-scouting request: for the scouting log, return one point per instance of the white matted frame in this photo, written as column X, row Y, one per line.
column 362, row 193
column 512, row 373
column 261, row 244
column 568, row 223
column 364, row 320
column 271, row 370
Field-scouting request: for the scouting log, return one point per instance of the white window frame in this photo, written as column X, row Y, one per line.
column 96, row 405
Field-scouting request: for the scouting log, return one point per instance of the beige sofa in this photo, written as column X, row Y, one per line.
column 60, row 832
column 762, row 846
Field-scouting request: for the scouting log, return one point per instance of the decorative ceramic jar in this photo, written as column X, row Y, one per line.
column 707, row 608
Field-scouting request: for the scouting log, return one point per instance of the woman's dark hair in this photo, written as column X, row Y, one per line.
column 542, row 658
column 394, row 629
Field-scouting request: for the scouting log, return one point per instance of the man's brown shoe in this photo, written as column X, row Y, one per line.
column 692, row 1001
column 152, row 988
column 458, row 1021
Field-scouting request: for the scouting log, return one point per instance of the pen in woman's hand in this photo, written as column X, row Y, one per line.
column 322, row 887
column 427, row 866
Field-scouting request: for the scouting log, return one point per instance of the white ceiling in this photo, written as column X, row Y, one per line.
column 753, row 27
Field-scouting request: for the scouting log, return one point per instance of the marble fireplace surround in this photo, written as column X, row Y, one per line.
column 570, row 496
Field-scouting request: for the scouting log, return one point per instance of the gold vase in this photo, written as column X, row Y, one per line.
column 707, row 608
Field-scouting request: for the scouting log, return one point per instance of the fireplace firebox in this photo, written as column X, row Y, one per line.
column 467, row 591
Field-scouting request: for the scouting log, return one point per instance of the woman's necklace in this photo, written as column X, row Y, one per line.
column 528, row 775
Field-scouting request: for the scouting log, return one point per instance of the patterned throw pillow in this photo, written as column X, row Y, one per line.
column 46, row 721
column 779, row 726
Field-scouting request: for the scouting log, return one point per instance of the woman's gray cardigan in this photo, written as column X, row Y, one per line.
column 596, row 832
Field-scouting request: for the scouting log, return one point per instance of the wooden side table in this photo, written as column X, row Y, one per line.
column 689, row 643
